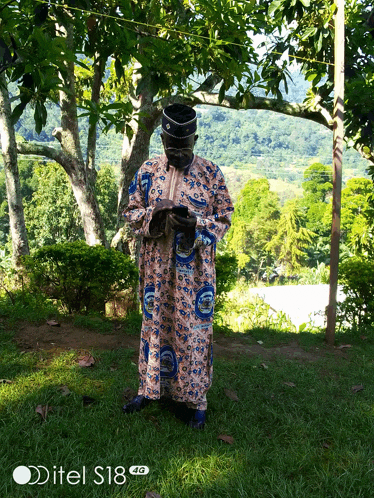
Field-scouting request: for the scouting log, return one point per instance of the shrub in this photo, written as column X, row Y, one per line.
column 226, row 276
column 315, row 276
column 356, row 275
column 82, row 277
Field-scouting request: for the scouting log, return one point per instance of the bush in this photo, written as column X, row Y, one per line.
column 19, row 304
column 226, row 276
column 82, row 277
column 315, row 276
column 356, row 275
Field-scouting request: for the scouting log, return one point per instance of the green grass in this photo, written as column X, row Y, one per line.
column 311, row 440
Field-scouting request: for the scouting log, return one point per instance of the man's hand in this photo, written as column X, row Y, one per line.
column 163, row 205
column 182, row 224
column 157, row 225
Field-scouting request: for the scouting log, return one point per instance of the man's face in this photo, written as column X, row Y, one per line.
column 179, row 151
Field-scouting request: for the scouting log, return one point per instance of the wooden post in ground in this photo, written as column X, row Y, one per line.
column 338, row 133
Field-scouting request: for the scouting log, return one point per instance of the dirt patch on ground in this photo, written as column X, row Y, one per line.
column 232, row 348
column 67, row 336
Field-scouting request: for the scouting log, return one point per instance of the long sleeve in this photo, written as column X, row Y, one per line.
column 211, row 229
column 138, row 212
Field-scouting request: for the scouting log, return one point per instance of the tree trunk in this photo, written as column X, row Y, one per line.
column 89, row 209
column 81, row 175
column 134, row 153
column 99, row 67
column 13, row 188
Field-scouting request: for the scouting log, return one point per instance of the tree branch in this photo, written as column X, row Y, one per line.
column 99, row 67
column 37, row 149
column 317, row 113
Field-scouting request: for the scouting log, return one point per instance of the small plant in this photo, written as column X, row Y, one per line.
column 83, row 278
column 226, row 276
column 244, row 311
column 314, row 276
column 356, row 276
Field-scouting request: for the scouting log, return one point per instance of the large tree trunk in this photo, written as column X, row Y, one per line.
column 135, row 151
column 82, row 176
column 9, row 148
column 89, row 209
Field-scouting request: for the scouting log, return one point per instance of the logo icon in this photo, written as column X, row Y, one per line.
column 205, row 302
column 22, row 474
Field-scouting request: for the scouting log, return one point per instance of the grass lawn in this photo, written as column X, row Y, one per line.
column 311, row 437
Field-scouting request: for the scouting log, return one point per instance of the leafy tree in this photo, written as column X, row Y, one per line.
column 318, row 181
column 148, row 44
column 107, row 196
column 292, row 238
column 28, row 184
column 356, row 216
column 151, row 65
column 52, row 215
column 355, row 207
column 317, row 188
column 253, row 225
column 306, row 29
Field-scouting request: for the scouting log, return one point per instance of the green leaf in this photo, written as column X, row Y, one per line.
column 221, row 94
column 309, row 32
column 40, row 116
column 17, row 112
column 311, row 76
column 306, row 3
column 119, row 69
column 80, row 63
column 274, row 6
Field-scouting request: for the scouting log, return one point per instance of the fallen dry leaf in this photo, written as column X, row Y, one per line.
column 355, row 389
column 326, row 445
column 65, row 390
column 363, row 337
column 154, row 421
column 152, row 494
column 43, row 410
column 86, row 361
column 264, row 366
column 87, row 400
column 226, row 439
column 53, row 323
column 290, row 384
column 113, row 368
column 260, row 342
column 231, row 394
column 6, row 381
column 342, row 346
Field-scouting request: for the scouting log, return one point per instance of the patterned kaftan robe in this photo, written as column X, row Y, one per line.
column 177, row 286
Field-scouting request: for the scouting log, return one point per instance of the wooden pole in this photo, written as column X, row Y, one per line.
column 338, row 134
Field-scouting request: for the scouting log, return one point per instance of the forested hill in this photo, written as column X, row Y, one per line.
column 253, row 143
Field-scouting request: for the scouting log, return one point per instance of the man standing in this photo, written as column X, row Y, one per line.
column 180, row 205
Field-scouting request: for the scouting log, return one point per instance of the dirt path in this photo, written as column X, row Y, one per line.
column 30, row 337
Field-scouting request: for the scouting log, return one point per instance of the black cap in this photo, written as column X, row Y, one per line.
column 179, row 120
